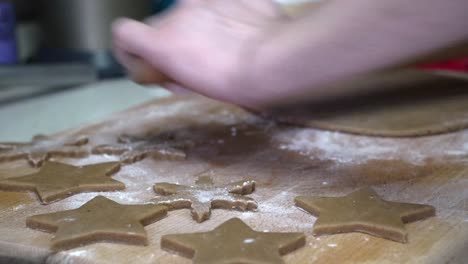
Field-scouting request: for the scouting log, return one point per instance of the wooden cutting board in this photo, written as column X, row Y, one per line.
column 231, row 145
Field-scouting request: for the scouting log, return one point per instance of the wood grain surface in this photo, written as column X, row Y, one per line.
column 231, row 144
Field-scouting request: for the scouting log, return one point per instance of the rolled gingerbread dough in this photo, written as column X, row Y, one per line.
column 99, row 220
column 233, row 242
column 205, row 195
column 363, row 211
column 403, row 104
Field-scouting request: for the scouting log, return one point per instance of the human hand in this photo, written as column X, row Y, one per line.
column 201, row 45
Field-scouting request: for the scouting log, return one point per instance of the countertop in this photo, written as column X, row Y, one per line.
column 53, row 112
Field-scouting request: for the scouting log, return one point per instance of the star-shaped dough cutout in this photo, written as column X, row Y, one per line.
column 363, row 211
column 56, row 181
column 42, row 148
column 99, row 220
column 233, row 242
column 132, row 149
column 204, row 195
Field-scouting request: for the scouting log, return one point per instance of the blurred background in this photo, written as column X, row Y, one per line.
column 56, row 66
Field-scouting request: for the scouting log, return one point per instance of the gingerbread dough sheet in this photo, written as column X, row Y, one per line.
column 411, row 104
column 363, row 211
column 233, row 242
column 43, row 148
column 55, row 181
column 133, row 149
column 100, row 219
column 205, row 195
column 232, row 145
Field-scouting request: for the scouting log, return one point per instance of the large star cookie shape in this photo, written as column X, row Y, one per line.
column 42, row 148
column 363, row 211
column 234, row 242
column 98, row 220
column 55, row 181
column 133, row 149
column 204, row 195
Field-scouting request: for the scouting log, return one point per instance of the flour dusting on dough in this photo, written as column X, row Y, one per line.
column 19, row 207
column 346, row 148
column 92, row 159
column 280, row 207
column 138, row 188
column 208, row 195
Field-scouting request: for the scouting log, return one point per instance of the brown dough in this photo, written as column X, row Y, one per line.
column 233, row 242
column 42, row 148
column 56, row 181
column 363, row 211
column 98, row 220
column 412, row 103
column 133, row 149
column 205, row 195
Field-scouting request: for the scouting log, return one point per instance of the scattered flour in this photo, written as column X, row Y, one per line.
column 92, row 159
column 249, row 240
column 138, row 182
column 77, row 252
column 208, row 195
column 275, row 210
column 19, row 207
column 70, row 256
column 345, row 148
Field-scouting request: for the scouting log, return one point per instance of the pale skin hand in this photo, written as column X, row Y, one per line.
column 248, row 53
column 201, row 45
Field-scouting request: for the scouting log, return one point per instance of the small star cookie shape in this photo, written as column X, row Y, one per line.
column 56, row 181
column 42, row 148
column 363, row 211
column 204, row 195
column 133, row 149
column 233, row 242
column 99, row 220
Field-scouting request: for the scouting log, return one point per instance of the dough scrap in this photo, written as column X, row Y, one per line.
column 42, row 148
column 233, row 242
column 99, row 220
column 133, row 149
column 204, row 195
column 56, row 181
column 363, row 211
column 411, row 104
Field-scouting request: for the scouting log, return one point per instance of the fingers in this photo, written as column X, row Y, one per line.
column 152, row 20
column 134, row 37
column 140, row 71
column 134, row 41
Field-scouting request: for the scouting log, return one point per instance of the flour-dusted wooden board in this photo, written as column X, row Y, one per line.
column 286, row 162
